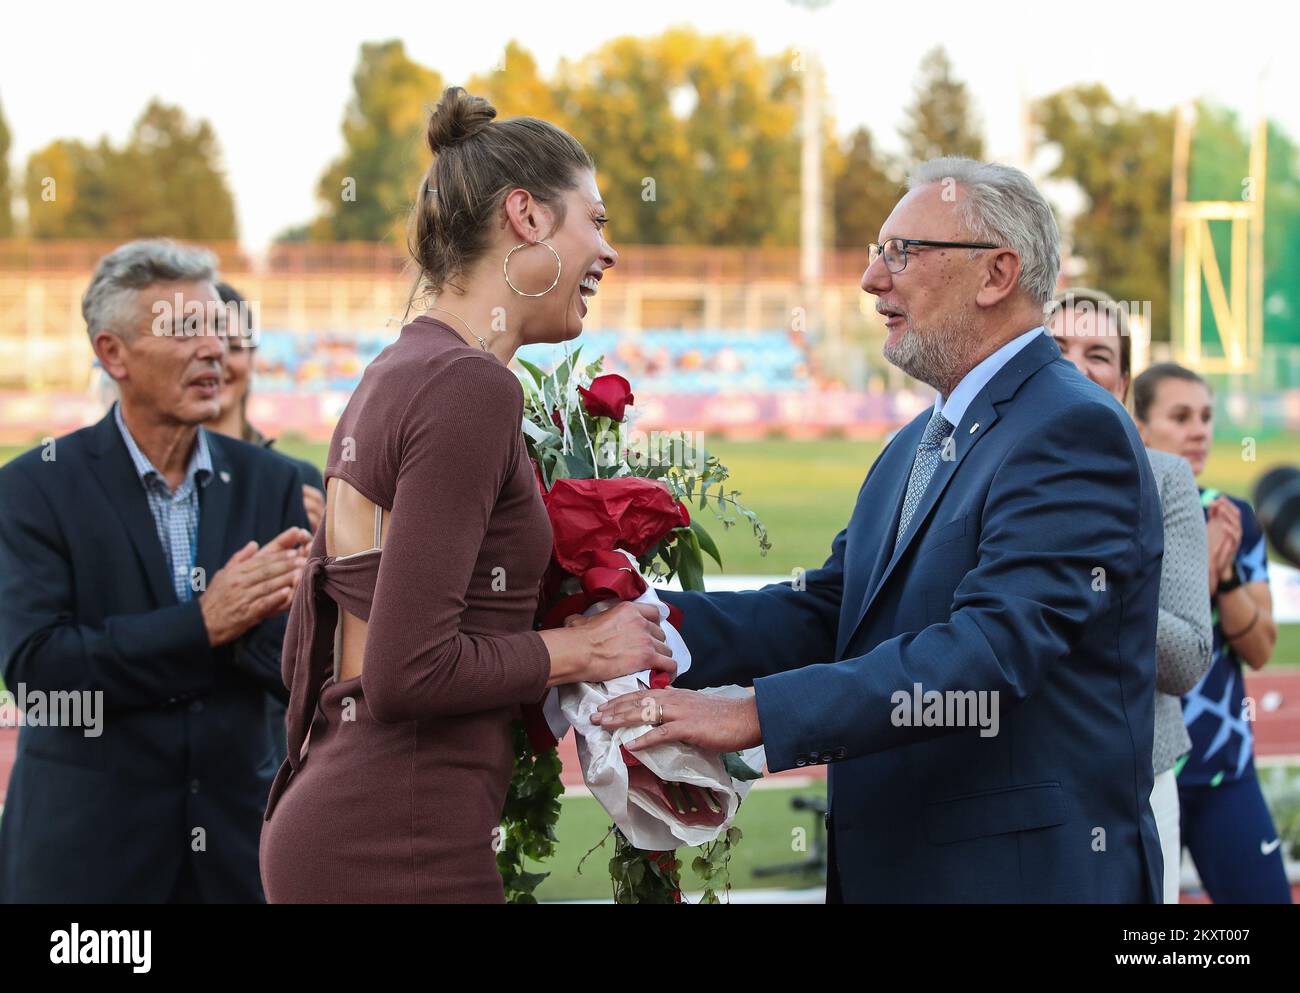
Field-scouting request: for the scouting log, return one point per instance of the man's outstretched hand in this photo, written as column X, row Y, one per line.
column 707, row 720
column 256, row 583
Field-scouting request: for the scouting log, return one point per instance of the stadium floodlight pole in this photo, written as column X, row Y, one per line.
column 810, row 179
column 1259, row 183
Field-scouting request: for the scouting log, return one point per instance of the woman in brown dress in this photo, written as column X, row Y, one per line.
column 411, row 640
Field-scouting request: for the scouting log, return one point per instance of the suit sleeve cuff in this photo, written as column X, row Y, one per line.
column 793, row 728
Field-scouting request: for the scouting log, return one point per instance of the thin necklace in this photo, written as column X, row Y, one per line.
column 482, row 344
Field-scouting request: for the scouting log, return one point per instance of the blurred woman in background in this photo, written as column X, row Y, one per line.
column 1225, row 823
column 235, row 387
column 233, row 422
column 1092, row 332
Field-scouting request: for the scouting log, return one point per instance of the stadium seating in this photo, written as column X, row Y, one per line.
column 662, row 361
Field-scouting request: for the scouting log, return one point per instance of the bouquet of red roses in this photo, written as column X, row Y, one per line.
column 618, row 509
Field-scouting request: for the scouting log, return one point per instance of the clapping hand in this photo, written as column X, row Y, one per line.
column 313, row 502
column 1223, row 533
column 256, row 583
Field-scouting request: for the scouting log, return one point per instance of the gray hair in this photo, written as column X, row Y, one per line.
column 1002, row 205
column 109, row 303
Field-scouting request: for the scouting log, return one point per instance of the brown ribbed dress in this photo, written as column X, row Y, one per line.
column 401, row 780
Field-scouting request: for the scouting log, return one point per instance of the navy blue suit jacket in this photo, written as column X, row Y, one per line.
column 184, row 761
column 308, row 475
column 1030, row 571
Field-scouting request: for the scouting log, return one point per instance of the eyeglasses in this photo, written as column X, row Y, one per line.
column 895, row 250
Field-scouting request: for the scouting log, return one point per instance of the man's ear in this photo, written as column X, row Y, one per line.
column 528, row 219
column 111, row 352
column 1001, row 277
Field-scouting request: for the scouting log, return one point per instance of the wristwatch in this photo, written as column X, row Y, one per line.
column 1228, row 585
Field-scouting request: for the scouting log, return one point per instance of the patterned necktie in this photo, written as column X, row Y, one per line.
column 923, row 466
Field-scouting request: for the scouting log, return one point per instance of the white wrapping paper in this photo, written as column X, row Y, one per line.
column 646, row 823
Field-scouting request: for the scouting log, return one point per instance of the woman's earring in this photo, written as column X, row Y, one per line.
column 505, row 269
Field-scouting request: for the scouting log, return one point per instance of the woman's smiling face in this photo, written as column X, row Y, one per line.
column 1089, row 338
column 584, row 255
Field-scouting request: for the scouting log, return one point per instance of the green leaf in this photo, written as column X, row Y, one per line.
column 706, row 541
column 578, row 464
column 529, row 881
column 737, row 768
column 561, row 468
column 539, row 435
column 690, row 561
column 635, row 873
column 533, row 371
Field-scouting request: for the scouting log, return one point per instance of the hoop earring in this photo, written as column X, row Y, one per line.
column 505, row 268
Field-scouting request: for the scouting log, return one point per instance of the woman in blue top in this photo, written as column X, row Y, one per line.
column 1225, row 822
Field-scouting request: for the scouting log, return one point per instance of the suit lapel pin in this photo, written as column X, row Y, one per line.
column 225, row 476
column 974, row 427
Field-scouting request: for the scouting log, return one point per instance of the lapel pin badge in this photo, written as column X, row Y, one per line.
column 974, row 427
column 225, row 476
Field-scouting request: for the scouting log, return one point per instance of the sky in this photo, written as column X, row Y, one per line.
column 273, row 77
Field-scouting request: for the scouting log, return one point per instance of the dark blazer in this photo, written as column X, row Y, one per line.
column 308, row 475
column 183, row 765
column 1030, row 570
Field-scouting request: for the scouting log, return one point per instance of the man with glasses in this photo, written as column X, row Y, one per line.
column 146, row 566
column 976, row 658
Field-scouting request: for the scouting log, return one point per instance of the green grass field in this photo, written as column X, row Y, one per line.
column 774, row 835
column 804, row 491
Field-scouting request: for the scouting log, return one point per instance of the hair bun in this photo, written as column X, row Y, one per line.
column 459, row 116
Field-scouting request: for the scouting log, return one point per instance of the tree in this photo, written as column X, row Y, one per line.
column 6, row 189
column 516, row 88
column 941, row 119
column 366, row 193
column 166, row 181
column 695, row 137
column 179, row 165
column 1121, row 158
column 865, row 189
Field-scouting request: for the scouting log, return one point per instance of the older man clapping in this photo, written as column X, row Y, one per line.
column 146, row 564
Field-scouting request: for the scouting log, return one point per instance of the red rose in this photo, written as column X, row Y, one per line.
column 607, row 396
column 599, row 515
column 610, row 576
column 555, row 418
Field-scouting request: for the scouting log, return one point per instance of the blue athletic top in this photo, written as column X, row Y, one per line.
column 1213, row 710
